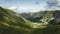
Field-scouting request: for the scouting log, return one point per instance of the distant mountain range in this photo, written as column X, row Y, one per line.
column 35, row 17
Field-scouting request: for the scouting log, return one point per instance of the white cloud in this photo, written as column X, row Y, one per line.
column 58, row 0
column 21, row 9
column 12, row 7
column 32, row 8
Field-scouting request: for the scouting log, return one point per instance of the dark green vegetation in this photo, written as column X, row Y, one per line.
column 13, row 23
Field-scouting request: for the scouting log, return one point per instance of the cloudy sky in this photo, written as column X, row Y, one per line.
column 27, row 5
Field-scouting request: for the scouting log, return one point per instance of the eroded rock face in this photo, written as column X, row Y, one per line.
column 56, row 16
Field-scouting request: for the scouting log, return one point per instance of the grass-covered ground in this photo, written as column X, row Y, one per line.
column 13, row 23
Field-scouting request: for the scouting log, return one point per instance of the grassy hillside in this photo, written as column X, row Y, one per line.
column 14, row 23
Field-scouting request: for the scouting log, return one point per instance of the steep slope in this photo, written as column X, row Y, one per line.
column 49, row 18
column 12, row 23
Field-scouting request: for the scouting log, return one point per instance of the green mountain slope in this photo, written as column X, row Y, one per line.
column 11, row 22
column 14, row 23
column 49, row 18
